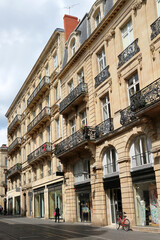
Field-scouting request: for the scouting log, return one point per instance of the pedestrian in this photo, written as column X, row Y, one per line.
column 57, row 214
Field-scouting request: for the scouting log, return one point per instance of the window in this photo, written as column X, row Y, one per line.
column 98, row 19
column 59, row 166
column 158, row 7
column 70, row 86
column 47, row 71
column 24, row 154
column 35, row 145
column 101, row 60
column 55, row 61
column 81, row 76
column 6, row 159
column 105, row 108
column 57, row 128
column 49, row 167
column 48, row 101
column 56, row 93
column 82, row 171
column 40, row 77
column 24, row 104
column 29, row 176
column 40, row 107
column 73, row 47
column 41, row 138
column 110, row 164
column 24, row 178
column 73, row 126
column 127, row 34
column 35, row 174
column 29, row 147
column 140, row 151
column 49, row 133
column 83, row 118
column 41, row 171
column 132, row 85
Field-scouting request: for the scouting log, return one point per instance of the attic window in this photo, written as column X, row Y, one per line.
column 73, row 47
column 97, row 19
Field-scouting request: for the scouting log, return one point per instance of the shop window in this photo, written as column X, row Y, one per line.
column 140, row 151
column 55, row 199
column 82, row 171
column 105, row 102
column 110, row 164
column 158, row 7
column 127, row 34
column 132, row 85
column 101, row 57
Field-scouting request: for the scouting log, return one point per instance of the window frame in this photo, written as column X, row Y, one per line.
column 128, row 33
column 135, row 79
column 101, row 60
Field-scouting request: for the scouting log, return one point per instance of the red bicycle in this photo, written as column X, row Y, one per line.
column 123, row 221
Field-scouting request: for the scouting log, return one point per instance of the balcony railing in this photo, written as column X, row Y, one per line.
column 104, row 128
column 155, row 27
column 141, row 159
column 39, row 118
column 40, row 152
column 44, row 82
column 77, row 138
column 110, row 168
column 15, row 144
column 81, row 89
column 15, row 170
column 14, row 123
column 128, row 53
column 102, row 76
column 81, row 177
column 146, row 97
column 127, row 116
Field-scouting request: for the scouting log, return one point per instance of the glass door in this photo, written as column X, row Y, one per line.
column 83, row 207
column 115, row 202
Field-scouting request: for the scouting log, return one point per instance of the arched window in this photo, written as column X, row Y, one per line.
column 140, row 151
column 82, row 171
column 110, row 164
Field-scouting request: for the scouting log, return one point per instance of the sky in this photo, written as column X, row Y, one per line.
column 25, row 28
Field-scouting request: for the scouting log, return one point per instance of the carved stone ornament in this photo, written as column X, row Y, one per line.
column 138, row 4
column 140, row 61
column 110, row 35
column 110, row 85
column 119, row 78
column 152, row 48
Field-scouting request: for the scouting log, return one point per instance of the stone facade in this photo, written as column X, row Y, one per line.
column 105, row 124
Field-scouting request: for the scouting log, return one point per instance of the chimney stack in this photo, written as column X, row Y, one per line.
column 70, row 23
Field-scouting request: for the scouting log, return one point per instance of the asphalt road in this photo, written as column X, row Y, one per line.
column 27, row 229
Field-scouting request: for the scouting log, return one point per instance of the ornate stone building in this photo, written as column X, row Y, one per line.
column 106, row 119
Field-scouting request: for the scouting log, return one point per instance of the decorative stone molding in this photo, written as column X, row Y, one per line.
column 119, row 77
column 140, row 61
column 138, row 4
column 110, row 35
column 152, row 48
column 110, row 85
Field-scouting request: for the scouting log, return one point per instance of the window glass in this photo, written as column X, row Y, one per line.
column 127, row 34
column 98, row 19
column 101, row 60
column 81, row 76
column 158, row 7
column 70, row 86
column 72, row 126
column 57, row 128
column 132, row 85
column 73, row 47
column 56, row 92
column 55, row 61
column 83, row 118
column 105, row 108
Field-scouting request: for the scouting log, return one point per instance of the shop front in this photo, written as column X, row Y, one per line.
column 55, row 199
column 83, row 202
column 39, row 203
column 17, row 206
column 145, row 198
column 10, row 206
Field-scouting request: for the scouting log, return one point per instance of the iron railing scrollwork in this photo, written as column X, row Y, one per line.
column 141, row 159
column 45, row 112
column 15, row 169
column 74, row 94
column 102, row 76
column 15, row 143
column 127, row 116
column 42, row 150
column 15, row 120
column 45, row 80
column 146, row 96
column 87, row 133
column 128, row 53
column 104, row 127
column 81, row 177
column 155, row 27
column 110, row 168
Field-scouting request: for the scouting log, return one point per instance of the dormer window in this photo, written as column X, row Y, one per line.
column 98, row 19
column 73, row 47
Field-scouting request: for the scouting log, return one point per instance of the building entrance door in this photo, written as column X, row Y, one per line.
column 115, row 203
column 83, row 207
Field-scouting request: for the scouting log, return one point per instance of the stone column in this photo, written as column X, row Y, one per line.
column 127, row 189
column 13, row 206
column 46, row 207
column 157, row 176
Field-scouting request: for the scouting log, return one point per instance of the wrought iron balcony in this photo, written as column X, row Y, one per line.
column 104, row 127
column 16, row 121
column 40, row 153
column 127, row 116
column 128, row 53
column 146, row 96
column 81, row 177
column 39, row 120
column 74, row 97
column 110, row 168
column 15, row 144
column 75, row 140
column 142, row 159
column 155, row 27
column 102, row 76
column 42, row 87
column 16, row 169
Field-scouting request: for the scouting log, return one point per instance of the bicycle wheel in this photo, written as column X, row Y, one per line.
column 126, row 225
column 118, row 224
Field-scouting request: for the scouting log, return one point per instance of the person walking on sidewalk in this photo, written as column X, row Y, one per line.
column 57, row 214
